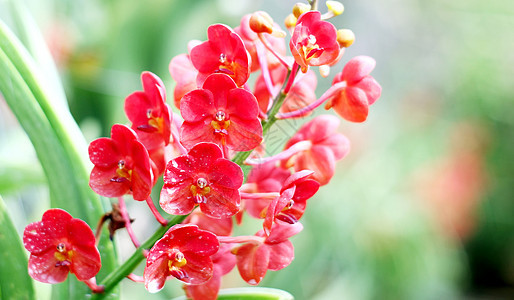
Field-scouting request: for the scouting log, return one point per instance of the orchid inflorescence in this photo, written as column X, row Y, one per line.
column 200, row 152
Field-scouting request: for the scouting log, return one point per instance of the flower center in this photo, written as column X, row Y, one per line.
column 200, row 190
column 220, row 123
column 123, row 174
column 310, row 48
column 62, row 256
column 154, row 123
column 175, row 262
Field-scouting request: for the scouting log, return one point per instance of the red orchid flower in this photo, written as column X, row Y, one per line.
column 291, row 204
column 202, row 177
column 223, row 52
column 362, row 90
column 221, row 113
column 184, row 73
column 274, row 252
column 59, row 244
column 314, row 42
column 122, row 165
column 300, row 95
column 327, row 146
column 149, row 113
column 223, row 262
column 184, row 252
column 263, row 178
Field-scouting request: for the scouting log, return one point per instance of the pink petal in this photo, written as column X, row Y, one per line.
column 283, row 231
column 371, row 87
column 352, row 104
column 252, row 262
column 357, row 68
column 280, row 255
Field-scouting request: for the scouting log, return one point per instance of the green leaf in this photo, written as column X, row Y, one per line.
column 15, row 282
column 251, row 293
column 59, row 145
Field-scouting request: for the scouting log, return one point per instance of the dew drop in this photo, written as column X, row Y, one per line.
column 149, row 113
column 223, row 58
column 220, row 116
column 61, row 247
column 201, row 182
column 121, row 164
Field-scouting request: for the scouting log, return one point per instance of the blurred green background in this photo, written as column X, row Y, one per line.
column 422, row 207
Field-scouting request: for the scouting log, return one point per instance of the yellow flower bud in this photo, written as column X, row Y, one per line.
column 300, row 8
column 335, row 7
column 290, row 21
column 345, row 38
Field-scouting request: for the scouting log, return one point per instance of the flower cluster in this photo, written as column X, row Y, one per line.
column 199, row 153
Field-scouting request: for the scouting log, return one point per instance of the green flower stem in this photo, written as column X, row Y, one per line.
column 126, row 268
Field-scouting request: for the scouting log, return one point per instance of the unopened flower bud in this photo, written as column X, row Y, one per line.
column 345, row 38
column 261, row 22
column 290, row 21
column 324, row 71
column 300, row 8
column 335, row 7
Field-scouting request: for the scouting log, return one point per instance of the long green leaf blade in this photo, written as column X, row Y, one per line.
column 15, row 282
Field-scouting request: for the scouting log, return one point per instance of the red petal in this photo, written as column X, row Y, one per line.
column 42, row 267
column 221, row 202
column 155, row 273
column 220, row 85
column 197, row 105
column 242, row 103
column 198, row 269
column 177, row 200
column 252, row 262
column 100, row 182
column 206, row 291
column 39, row 236
column 226, row 174
column 123, row 137
column 205, row 155
column 194, row 133
column 244, row 135
column 104, row 152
